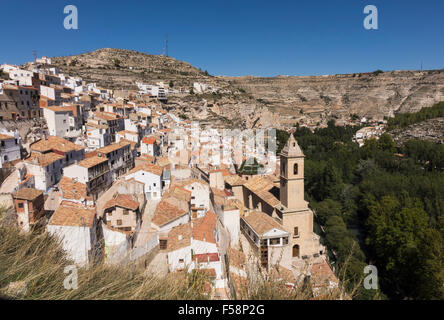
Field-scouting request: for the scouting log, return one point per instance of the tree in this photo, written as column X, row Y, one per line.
column 171, row 84
column 385, row 143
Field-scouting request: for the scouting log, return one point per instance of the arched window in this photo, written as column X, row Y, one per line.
column 295, row 169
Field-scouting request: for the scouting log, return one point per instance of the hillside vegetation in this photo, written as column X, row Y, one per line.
column 404, row 120
column 383, row 208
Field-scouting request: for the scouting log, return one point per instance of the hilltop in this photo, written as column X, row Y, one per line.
column 275, row 101
column 120, row 69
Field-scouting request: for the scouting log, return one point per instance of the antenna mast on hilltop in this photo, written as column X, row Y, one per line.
column 34, row 54
column 166, row 45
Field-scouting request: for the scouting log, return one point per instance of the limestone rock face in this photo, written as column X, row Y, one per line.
column 371, row 94
column 254, row 102
column 430, row 130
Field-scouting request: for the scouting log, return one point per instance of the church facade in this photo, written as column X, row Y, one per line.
column 288, row 236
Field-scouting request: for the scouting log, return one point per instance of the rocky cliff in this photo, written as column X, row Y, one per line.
column 376, row 94
column 262, row 102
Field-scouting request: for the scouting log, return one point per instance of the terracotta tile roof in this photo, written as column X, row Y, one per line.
column 73, row 214
column 179, row 237
column 149, row 140
column 221, row 192
column 322, row 275
column 96, row 126
column 163, row 161
column 73, row 190
column 234, row 180
column 92, row 161
column 165, row 213
column 72, row 108
column 132, row 143
column 203, row 228
column 124, row 132
column 261, row 186
column 184, row 183
column 44, row 159
column 28, row 194
column 261, row 222
column 126, row 201
column 148, row 167
column 206, row 257
column 113, row 147
column 55, row 143
column 146, row 157
column 5, row 137
column 107, row 116
column 178, row 192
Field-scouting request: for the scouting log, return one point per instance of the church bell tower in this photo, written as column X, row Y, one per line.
column 292, row 176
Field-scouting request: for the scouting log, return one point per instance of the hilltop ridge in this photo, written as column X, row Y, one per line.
column 277, row 101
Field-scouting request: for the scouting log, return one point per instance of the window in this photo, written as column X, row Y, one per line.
column 275, row 241
column 295, row 169
column 296, row 232
column 20, row 205
column 180, row 260
column 119, row 222
column 125, row 212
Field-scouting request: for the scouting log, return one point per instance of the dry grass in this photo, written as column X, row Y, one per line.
column 37, row 260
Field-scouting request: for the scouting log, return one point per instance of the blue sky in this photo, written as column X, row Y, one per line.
column 236, row 37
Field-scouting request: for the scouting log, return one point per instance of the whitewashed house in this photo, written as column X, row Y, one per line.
column 151, row 176
column 75, row 225
column 149, row 145
column 127, row 135
column 47, row 169
column 64, row 122
column 10, row 145
column 200, row 196
column 98, row 136
column 194, row 246
column 94, row 172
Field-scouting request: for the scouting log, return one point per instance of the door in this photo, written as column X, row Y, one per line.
column 296, row 251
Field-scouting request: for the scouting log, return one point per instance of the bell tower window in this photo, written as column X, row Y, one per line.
column 295, row 169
